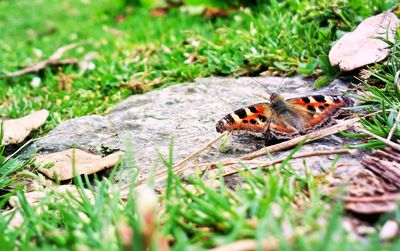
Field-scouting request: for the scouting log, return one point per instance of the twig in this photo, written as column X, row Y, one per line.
column 296, row 156
column 386, row 141
column 177, row 168
column 53, row 60
column 342, row 126
column 180, row 167
column 394, row 127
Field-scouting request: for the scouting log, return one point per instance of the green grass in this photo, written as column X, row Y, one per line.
column 10, row 167
column 273, row 204
column 380, row 96
column 274, row 37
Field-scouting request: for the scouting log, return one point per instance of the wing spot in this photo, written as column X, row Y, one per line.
column 306, row 100
column 245, row 121
column 326, row 105
column 241, row 113
column 336, row 99
column 262, row 118
column 253, row 121
column 253, row 109
column 321, row 107
column 311, row 108
column 229, row 119
column 319, row 98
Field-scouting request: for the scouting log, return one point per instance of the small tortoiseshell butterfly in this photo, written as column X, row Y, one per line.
column 286, row 119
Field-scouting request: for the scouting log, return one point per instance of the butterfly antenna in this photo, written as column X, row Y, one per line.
column 263, row 85
column 280, row 84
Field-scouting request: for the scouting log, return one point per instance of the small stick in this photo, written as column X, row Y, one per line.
column 177, row 168
column 342, row 126
column 300, row 155
column 296, row 156
column 394, row 127
column 386, row 141
column 53, row 60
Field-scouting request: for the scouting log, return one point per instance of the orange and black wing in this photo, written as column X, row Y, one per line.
column 319, row 110
column 254, row 118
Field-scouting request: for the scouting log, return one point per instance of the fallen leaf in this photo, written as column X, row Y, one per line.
column 72, row 162
column 212, row 13
column 363, row 46
column 159, row 12
column 53, row 60
column 16, row 130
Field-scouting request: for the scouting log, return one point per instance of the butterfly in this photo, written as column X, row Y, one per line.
column 286, row 119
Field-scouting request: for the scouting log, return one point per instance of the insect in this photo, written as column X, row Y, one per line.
column 285, row 119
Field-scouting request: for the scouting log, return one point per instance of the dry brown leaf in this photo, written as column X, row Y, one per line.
column 159, row 12
column 212, row 12
column 361, row 47
column 53, row 60
column 16, row 130
column 72, row 162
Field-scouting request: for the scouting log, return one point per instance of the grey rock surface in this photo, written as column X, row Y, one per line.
column 143, row 125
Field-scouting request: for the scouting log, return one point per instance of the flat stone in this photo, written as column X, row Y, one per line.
column 143, row 125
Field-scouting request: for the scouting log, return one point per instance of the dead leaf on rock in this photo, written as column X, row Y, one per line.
column 16, row 130
column 363, row 46
column 72, row 162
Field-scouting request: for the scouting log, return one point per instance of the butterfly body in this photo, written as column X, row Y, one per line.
column 285, row 118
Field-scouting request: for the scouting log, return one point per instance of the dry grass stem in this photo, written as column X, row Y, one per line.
column 264, row 164
column 394, row 127
column 177, row 168
column 386, row 141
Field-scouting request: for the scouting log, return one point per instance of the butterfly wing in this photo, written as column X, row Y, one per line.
column 292, row 118
column 319, row 110
column 254, row 118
